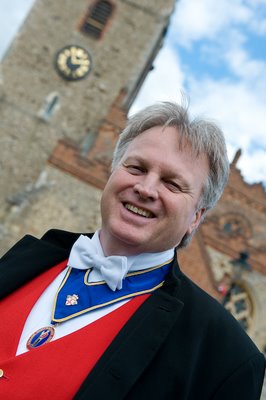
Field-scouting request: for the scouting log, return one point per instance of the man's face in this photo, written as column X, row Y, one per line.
column 150, row 200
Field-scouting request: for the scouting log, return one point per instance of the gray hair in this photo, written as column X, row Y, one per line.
column 204, row 136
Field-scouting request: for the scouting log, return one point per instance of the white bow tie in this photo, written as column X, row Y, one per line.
column 110, row 269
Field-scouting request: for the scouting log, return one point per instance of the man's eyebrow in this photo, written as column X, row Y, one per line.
column 134, row 157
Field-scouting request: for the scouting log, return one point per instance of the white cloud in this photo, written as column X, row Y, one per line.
column 257, row 23
column 242, row 117
column 243, row 66
column 195, row 20
column 253, row 165
column 163, row 83
column 240, row 112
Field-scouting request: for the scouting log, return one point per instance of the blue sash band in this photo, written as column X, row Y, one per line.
column 77, row 296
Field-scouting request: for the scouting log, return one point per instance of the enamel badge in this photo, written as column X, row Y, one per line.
column 72, row 299
column 40, row 337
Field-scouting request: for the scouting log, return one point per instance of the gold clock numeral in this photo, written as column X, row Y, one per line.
column 73, row 62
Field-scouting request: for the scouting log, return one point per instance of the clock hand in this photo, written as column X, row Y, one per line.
column 75, row 60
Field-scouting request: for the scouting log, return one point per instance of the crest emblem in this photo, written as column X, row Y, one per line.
column 40, row 337
column 71, row 300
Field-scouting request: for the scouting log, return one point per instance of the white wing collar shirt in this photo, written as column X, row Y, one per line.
column 88, row 253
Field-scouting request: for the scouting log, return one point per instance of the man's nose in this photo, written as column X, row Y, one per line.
column 147, row 188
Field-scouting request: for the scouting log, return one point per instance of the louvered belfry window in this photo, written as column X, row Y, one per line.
column 97, row 18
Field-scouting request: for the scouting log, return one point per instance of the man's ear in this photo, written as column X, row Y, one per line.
column 196, row 220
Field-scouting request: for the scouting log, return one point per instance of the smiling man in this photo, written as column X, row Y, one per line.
column 110, row 314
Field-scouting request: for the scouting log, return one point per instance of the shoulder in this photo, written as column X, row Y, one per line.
column 61, row 238
column 213, row 322
column 217, row 340
column 55, row 238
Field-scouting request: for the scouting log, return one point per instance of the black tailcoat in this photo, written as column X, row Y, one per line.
column 180, row 344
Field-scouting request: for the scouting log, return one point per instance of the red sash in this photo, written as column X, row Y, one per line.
column 57, row 369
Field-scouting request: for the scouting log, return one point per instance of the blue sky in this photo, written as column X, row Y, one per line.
column 215, row 52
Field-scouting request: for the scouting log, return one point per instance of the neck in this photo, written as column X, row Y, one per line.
column 112, row 248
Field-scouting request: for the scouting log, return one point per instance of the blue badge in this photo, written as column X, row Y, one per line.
column 40, row 337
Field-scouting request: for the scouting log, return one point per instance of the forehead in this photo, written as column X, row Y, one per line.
column 168, row 138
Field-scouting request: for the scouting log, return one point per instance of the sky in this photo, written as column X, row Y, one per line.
column 215, row 53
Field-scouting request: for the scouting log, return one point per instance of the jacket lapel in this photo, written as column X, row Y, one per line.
column 135, row 346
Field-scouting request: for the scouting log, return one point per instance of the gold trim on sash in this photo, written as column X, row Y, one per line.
column 101, row 283
column 135, row 273
column 102, row 304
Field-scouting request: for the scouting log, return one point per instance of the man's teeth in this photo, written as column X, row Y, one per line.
column 140, row 211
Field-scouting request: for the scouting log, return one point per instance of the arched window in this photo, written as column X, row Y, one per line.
column 235, row 225
column 239, row 304
column 51, row 104
column 97, row 18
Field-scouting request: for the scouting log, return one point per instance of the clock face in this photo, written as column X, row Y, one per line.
column 73, row 62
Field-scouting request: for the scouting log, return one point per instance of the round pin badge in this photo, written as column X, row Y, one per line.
column 40, row 337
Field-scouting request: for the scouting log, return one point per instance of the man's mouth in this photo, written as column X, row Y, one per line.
column 139, row 211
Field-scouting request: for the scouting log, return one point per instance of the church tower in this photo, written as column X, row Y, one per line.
column 68, row 81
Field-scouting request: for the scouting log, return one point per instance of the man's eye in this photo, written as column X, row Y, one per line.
column 134, row 169
column 173, row 186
